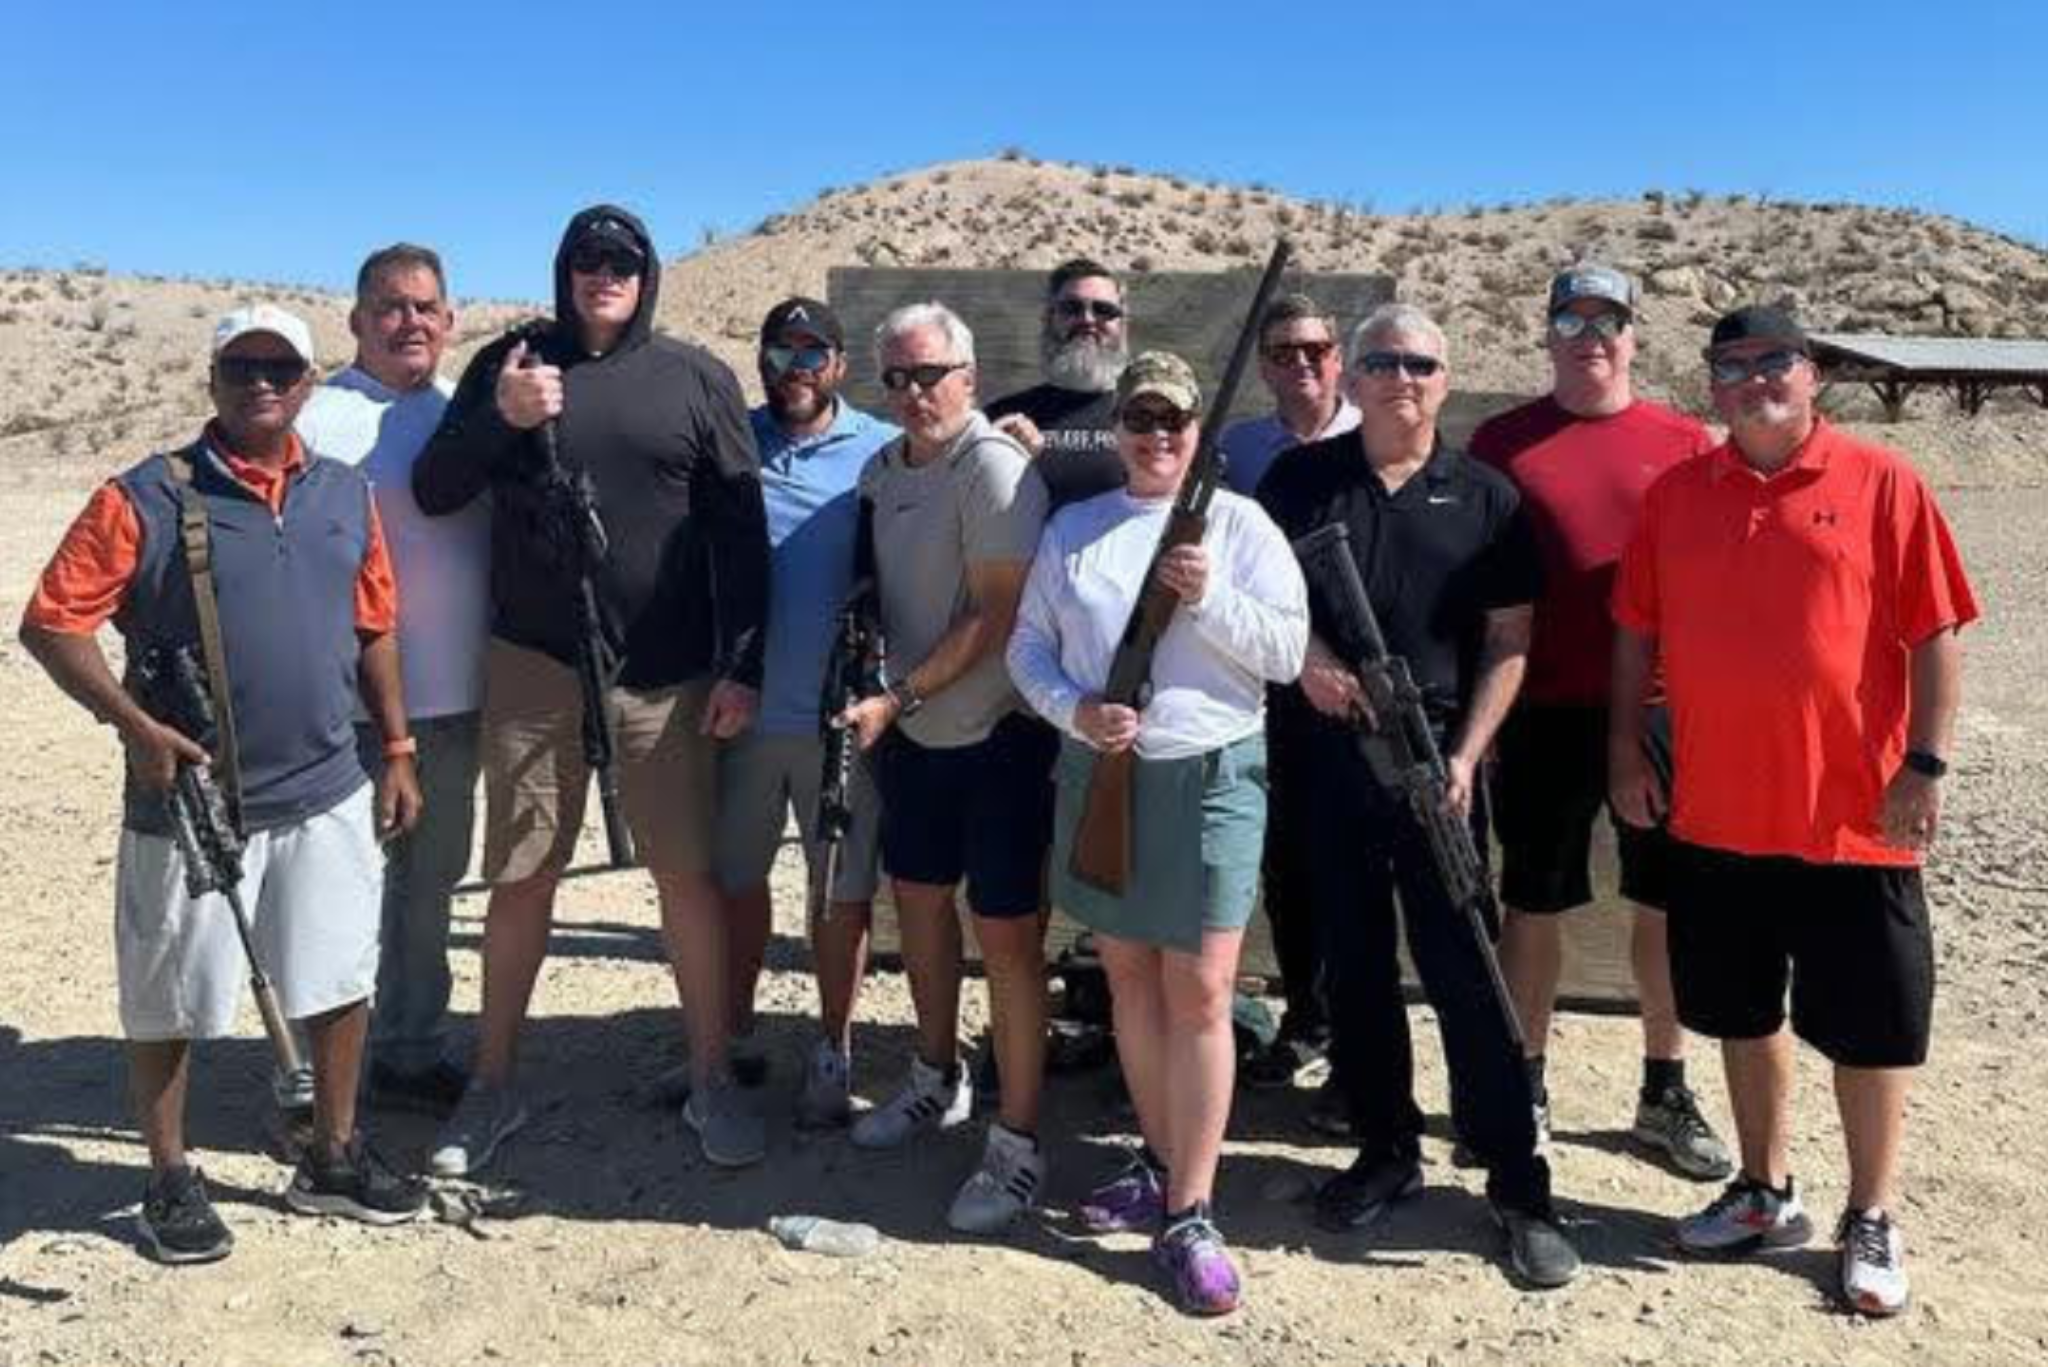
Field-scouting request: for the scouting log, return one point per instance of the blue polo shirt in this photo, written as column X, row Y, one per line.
column 809, row 485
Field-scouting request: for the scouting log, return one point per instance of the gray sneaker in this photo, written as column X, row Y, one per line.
column 826, row 1101
column 484, row 1119
column 731, row 1134
column 1673, row 1124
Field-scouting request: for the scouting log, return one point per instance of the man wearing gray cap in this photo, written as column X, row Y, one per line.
column 287, row 548
column 1582, row 457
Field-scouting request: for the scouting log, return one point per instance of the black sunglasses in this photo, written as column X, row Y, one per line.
column 780, row 360
column 1102, row 310
column 1284, row 353
column 1736, row 369
column 280, row 373
column 1381, row 364
column 1606, row 325
column 598, row 258
column 898, row 378
column 1143, row 422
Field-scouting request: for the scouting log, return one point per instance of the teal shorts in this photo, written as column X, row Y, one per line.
column 1198, row 828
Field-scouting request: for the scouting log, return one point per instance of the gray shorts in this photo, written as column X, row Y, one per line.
column 760, row 779
column 314, row 893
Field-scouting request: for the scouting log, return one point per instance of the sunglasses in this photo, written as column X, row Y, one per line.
column 897, row 378
column 1606, row 325
column 1381, row 364
column 1736, row 369
column 280, row 373
column 599, row 259
column 1143, row 422
column 1311, row 353
column 1101, row 310
column 780, row 360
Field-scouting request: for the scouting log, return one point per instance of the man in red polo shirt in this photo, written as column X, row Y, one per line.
column 1803, row 595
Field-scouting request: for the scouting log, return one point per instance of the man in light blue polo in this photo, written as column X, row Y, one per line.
column 813, row 445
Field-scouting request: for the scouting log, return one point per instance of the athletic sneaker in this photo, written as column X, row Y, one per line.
column 826, row 1102
column 731, row 1134
column 357, row 1184
column 484, row 1119
column 177, row 1219
column 1673, row 1123
column 1133, row 1199
column 1746, row 1216
column 1537, row 1247
column 1360, row 1196
column 1204, row 1278
column 1286, row 1062
column 1873, row 1262
column 1003, row 1187
column 925, row 1101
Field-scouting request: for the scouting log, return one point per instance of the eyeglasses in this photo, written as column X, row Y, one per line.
column 1143, row 422
column 1101, row 310
column 280, row 373
column 1311, row 353
column 1606, row 325
column 1381, row 364
column 597, row 258
column 780, row 360
column 1736, row 369
column 897, row 378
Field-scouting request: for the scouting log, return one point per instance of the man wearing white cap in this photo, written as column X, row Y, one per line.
column 307, row 605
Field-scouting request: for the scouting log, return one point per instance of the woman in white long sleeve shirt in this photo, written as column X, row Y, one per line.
column 1170, row 942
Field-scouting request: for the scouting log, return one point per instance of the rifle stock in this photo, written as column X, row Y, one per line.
column 1101, row 853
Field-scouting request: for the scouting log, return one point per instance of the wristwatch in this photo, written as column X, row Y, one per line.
column 908, row 699
column 1927, row 763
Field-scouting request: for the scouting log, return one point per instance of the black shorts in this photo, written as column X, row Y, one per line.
column 982, row 812
column 1549, row 786
column 1851, row 941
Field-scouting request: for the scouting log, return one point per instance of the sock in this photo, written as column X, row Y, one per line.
column 1028, row 1136
column 1660, row 1075
column 1538, row 1091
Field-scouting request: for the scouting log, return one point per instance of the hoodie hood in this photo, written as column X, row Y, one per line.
column 650, row 283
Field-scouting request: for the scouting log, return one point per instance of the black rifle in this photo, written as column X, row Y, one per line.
column 853, row 671
column 170, row 684
column 1101, row 854
column 575, row 520
column 1399, row 746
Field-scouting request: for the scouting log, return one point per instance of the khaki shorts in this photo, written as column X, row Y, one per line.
column 536, row 782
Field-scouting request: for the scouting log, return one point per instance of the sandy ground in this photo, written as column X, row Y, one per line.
column 616, row 1243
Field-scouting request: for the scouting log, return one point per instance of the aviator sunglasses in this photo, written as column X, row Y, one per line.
column 1736, row 369
column 1569, row 326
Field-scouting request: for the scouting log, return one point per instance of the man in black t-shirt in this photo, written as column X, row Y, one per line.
column 1451, row 571
column 1068, row 423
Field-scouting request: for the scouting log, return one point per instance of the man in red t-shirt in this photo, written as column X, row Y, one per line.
column 1802, row 595
column 1582, row 457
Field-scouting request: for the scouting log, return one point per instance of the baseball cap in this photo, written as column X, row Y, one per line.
column 1758, row 323
column 611, row 231
column 265, row 318
column 1591, row 280
column 801, row 314
column 1161, row 373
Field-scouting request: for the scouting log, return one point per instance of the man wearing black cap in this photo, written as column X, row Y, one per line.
column 660, row 431
column 813, row 445
column 1068, row 423
column 1802, row 596
column 1582, row 457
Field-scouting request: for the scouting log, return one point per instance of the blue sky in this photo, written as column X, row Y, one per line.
column 284, row 141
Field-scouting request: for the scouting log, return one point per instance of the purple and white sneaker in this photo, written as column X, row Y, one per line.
column 1204, row 1277
column 1133, row 1199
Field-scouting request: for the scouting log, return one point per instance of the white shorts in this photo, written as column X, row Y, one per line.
column 314, row 893
column 761, row 778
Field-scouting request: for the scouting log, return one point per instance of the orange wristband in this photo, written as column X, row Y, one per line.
column 404, row 745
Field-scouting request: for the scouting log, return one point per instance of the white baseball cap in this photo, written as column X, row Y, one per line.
column 268, row 318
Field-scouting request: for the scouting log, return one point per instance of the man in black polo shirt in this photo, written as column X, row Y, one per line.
column 1068, row 423
column 1451, row 570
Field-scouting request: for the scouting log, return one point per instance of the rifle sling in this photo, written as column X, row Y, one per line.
column 195, row 531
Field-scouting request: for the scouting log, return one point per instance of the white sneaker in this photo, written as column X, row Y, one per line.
column 925, row 1101
column 1002, row 1188
column 826, row 1101
column 1745, row 1217
column 484, row 1119
column 1873, row 1262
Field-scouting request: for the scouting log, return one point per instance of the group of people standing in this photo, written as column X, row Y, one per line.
column 1744, row 649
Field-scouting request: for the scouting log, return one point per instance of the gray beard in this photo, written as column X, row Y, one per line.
column 1084, row 364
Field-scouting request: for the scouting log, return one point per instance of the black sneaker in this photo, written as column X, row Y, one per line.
column 1537, row 1247
column 1358, row 1197
column 1285, row 1062
column 434, row 1090
column 177, row 1220
column 358, row 1184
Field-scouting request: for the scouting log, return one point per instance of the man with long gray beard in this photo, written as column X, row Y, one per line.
column 1068, row 423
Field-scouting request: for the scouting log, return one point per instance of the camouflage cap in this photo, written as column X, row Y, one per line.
column 1161, row 373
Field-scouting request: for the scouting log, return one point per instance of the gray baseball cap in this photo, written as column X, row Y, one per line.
column 1591, row 280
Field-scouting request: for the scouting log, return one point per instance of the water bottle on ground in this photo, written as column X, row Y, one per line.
column 833, row 1238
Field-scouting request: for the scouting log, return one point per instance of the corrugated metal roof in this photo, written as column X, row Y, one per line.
column 1984, row 355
